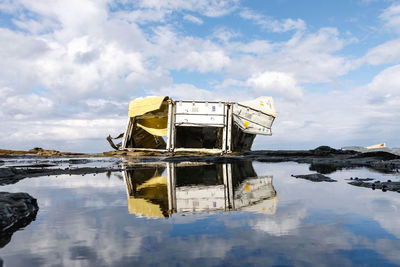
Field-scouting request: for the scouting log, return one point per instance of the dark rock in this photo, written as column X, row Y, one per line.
column 382, row 155
column 36, row 165
column 15, row 208
column 324, row 151
column 361, row 179
column 315, row 177
column 324, row 168
column 78, row 161
column 384, row 186
column 6, row 172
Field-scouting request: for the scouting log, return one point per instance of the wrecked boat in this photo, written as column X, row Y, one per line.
column 164, row 124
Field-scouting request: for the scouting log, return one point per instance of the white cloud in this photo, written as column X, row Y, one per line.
column 384, row 87
column 358, row 116
column 193, row 19
column 391, row 16
column 190, row 53
column 257, row 47
column 278, row 83
column 273, row 24
column 210, row 8
column 325, row 40
column 224, row 34
column 186, row 92
column 309, row 57
column 24, row 107
column 158, row 11
column 388, row 52
column 85, row 59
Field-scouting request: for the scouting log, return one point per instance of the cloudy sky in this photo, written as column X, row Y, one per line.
column 69, row 68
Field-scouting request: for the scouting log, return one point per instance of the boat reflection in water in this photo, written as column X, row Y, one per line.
column 159, row 191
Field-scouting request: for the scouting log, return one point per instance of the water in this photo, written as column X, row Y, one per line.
column 212, row 215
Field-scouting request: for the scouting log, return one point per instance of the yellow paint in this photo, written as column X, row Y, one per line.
column 139, row 107
column 154, row 188
column 155, row 181
column 246, row 124
column 151, row 114
column 247, row 187
column 140, row 206
column 154, row 126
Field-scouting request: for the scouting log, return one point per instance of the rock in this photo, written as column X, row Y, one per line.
column 44, row 152
column 35, row 165
column 78, row 161
column 324, row 150
column 362, row 179
column 323, row 168
column 384, row 186
column 16, row 209
column 6, row 172
column 315, row 177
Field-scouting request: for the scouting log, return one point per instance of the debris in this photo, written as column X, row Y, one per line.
column 110, row 141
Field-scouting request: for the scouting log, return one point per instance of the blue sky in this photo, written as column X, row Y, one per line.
column 69, row 68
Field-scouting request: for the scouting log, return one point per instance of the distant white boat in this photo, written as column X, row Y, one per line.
column 376, row 146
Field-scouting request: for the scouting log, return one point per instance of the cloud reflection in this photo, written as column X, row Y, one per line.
column 308, row 227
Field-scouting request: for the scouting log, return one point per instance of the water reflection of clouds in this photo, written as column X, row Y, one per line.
column 90, row 225
column 340, row 198
column 287, row 221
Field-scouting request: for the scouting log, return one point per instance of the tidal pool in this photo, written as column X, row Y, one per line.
column 233, row 214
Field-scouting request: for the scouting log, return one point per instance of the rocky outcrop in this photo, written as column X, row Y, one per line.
column 384, row 186
column 17, row 210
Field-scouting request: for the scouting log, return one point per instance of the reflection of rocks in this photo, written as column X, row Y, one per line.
column 361, row 179
column 315, row 177
column 13, row 174
column 323, row 168
column 323, row 159
column 384, row 186
column 37, row 151
column 326, row 160
column 16, row 210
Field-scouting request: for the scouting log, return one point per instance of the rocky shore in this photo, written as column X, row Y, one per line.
column 370, row 183
column 17, row 210
column 323, row 160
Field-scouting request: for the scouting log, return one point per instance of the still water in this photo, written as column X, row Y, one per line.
column 235, row 214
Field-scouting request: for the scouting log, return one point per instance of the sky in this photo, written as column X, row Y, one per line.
column 68, row 68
